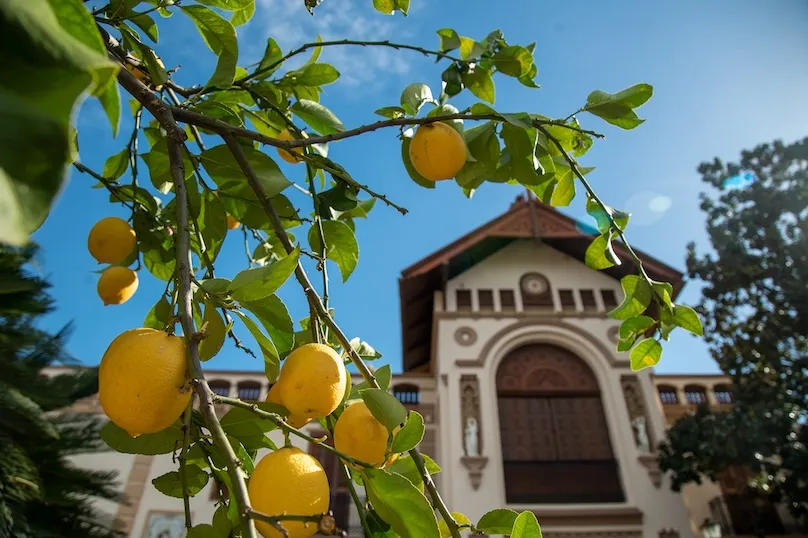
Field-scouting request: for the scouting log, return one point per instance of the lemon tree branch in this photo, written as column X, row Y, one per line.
column 184, row 275
column 200, row 120
column 285, row 426
column 316, row 303
column 186, row 437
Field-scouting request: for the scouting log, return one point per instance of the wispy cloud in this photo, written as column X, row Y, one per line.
column 288, row 22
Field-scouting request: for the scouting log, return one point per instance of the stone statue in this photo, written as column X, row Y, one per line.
column 472, row 445
column 641, row 434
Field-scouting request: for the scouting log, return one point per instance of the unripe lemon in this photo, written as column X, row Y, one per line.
column 142, row 381
column 117, row 285
column 273, row 396
column 359, row 435
column 111, row 240
column 290, row 157
column 232, row 223
column 289, row 481
column 437, row 151
column 312, row 381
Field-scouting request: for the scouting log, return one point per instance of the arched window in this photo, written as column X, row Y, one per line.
column 667, row 395
column 555, row 440
column 249, row 390
column 695, row 394
column 220, row 387
column 407, row 393
column 536, row 292
column 723, row 394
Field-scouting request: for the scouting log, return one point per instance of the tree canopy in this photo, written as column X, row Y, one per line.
column 755, row 307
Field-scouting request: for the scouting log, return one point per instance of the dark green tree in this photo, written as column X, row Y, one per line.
column 42, row 494
column 755, row 312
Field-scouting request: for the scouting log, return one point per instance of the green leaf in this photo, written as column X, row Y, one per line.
column 160, row 166
column 618, row 108
column 219, row 162
column 268, row 349
column 391, row 112
column 411, row 171
column 400, row 504
column 599, row 254
column 170, row 484
column 637, row 297
column 243, row 15
column 515, row 61
column 601, row 216
column 77, row 20
column 646, row 353
column 35, row 144
column 317, row 117
column 526, row 526
column 243, row 423
column 260, row 282
column 341, row 245
column 365, row 350
column 215, row 331
column 499, row 521
column 449, row 40
column 275, row 318
column 212, row 224
column 221, row 523
column 414, row 97
column 159, row 315
column 405, row 467
column 204, row 530
column 116, row 165
column 147, row 24
column 460, row 519
column 272, row 55
column 635, row 326
column 388, row 7
column 383, row 377
column 664, row 291
column 216, row 286
column 411, row 434
column 160, row 262
column 220, row 36
column 148, row 444
column 687, row 318
column 480, row 83
column 564, row 191
column 315, row 75
column 470, row 49
column 385, row 408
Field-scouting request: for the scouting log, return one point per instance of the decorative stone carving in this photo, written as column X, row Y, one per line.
column 545, row 368
column 475, row 466
column 612, row 335
column 445, row 379
column 470, row 415
column 465, row 336
column 651, row 464
column 637, row 414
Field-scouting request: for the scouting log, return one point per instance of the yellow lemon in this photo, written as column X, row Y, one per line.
column 142, row 381
column 111, row 240
column 290, row 156
column 312, row 381
column 117, row 285
column 359, row 435
column 273, row 396
column 232, row 223
column 437, row 151
column 289, row 481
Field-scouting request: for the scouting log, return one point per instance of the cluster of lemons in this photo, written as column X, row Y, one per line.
column 144, row 388
column 112, row 241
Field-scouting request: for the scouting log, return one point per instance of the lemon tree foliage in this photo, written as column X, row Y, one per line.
column 200, row 162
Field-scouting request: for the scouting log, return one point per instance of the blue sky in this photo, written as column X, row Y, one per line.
column 728, row 74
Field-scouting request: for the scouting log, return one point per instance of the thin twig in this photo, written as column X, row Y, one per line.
column 184, row 274
column 186, row 436
column 194, row 118
column 318, row 221
column 160, row 110
column 279, row 421
column 316, row 303
column 306, row 46
column 107, row 182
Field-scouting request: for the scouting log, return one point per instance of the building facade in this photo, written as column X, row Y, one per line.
column 510, row 357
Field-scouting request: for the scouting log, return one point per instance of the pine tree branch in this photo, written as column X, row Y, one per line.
column 201, row 387
column 316, row 303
